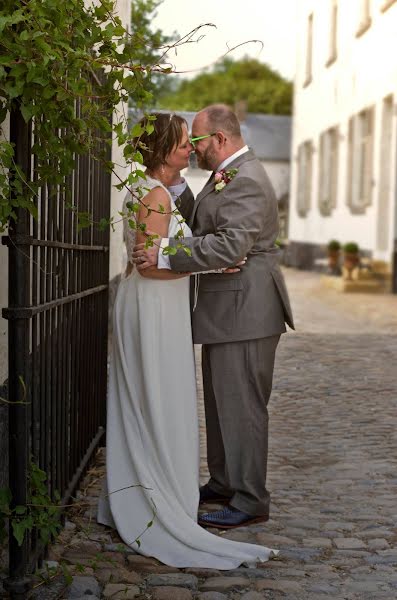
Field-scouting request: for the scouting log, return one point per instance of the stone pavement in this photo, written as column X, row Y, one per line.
column 332, row 473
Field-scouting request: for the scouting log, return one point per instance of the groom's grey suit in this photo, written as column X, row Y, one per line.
column 238, row 318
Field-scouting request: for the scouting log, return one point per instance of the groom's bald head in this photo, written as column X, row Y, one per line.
column 218, row 134
column 221, row 118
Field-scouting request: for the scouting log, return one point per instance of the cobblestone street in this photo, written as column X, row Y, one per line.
column 332, row 470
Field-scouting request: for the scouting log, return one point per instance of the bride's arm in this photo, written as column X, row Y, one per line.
column 156, row 222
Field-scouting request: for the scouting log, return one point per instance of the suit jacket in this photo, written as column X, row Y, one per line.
column 185, row 204
column 241, row 220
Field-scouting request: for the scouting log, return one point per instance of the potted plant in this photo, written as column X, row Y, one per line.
column 351, row 254
column 333, row 251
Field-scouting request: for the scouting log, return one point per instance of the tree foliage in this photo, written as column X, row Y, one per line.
column 150, row 46
column 249, row 80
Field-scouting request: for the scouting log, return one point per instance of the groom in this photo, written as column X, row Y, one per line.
column 237, row 318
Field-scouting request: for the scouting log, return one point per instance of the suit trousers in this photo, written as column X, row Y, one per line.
column 237, row 381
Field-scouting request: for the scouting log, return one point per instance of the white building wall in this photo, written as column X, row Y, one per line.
column 364, row 73
column 117, row 254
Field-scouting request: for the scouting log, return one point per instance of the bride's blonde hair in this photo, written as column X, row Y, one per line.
column 167, row 134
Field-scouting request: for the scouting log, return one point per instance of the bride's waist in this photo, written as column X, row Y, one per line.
column 138, row 279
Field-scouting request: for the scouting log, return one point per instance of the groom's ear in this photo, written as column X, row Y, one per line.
column 220, row 138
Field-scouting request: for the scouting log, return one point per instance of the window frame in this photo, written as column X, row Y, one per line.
column 387, row 4
column 360, row 160
column 328, row 177
column 309, row 50
column 304, row 179
column 365, row 19
column 333, row 33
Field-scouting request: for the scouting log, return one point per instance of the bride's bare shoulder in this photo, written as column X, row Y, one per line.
column 156, row 198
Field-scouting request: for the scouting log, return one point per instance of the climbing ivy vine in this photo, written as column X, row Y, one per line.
column 56, row 56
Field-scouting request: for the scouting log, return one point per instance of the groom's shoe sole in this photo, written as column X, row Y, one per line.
column 261, row 519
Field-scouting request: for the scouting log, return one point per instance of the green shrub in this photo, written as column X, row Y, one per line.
column 333, row 246
column 351, row 248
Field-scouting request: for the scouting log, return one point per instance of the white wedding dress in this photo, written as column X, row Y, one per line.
column 152, row 427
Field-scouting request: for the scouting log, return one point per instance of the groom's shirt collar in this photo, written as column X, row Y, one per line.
column 231, row 158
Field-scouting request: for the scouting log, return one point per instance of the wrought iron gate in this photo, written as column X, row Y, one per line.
column 58, row 322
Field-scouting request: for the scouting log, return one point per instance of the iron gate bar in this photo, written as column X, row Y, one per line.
column 27, row 312
column 27, row 240
column 18, row 355
column 58, row 314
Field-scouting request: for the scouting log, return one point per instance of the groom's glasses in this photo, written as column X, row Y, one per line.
column 201, row 137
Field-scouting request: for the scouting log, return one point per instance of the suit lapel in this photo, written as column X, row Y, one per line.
column 209, row 186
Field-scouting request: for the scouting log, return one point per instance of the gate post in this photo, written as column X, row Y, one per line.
column 18, row 358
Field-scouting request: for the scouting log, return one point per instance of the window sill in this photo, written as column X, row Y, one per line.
column 302, row 213
column 325, row 210
column 387, row 5
column 358, row 210
column 364, row 27
column 331, row 60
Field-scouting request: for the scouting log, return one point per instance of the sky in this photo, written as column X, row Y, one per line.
column 271, row 21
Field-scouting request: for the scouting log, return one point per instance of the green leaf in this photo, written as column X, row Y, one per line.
column 27, row 112
column 20, row 510
column 19, row 529
column 25, row 35
column 137, row 130
column 137, row 157
column 103, row 224
column 67, row 574
column 169, row 251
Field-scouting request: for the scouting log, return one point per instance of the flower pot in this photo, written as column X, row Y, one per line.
column 350, row 262
column 333, row 261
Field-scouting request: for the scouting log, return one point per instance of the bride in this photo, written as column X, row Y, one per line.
column 152, row 426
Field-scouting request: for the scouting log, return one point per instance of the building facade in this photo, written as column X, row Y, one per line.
column 344, row 139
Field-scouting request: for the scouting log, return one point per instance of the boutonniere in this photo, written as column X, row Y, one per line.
column 223, row 177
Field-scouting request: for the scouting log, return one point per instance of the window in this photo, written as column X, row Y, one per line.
column 386, row 4
column 309, row 51
column 305, row 157
column 385, row 176
column 364, row 19
column 333, row 33
column 328, row 170
column 360, row 161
